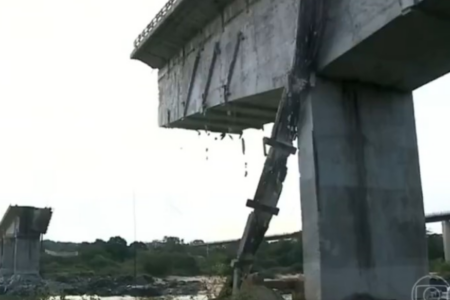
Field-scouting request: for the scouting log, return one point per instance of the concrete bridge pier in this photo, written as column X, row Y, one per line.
column 446, row 239
column 361, row 197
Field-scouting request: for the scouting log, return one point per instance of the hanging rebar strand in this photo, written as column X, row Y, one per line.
column 309, row 32
column 243, row 152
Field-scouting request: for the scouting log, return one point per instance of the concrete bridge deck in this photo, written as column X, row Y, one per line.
column 382, row 42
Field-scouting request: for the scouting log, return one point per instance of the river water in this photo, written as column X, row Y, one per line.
column 213, row 284
column 200, row 297
column 136, row 298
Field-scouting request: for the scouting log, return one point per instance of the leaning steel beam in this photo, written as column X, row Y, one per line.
column 309, row 31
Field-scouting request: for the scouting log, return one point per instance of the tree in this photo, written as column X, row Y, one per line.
column 197, row 242
column 117, row 248
column 138, row 246
column 435, row 247
column 173, row 244
column 171, row 240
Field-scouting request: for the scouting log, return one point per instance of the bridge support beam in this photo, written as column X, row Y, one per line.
column 446, row 239
column 361, row 196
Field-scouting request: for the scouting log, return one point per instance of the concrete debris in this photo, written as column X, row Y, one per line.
column 23, row 285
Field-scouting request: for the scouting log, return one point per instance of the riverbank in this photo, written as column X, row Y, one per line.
column 107, row 286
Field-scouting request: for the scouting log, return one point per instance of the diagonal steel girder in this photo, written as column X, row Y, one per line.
column 300, row 81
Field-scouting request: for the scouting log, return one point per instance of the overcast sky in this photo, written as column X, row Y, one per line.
column 78, row 132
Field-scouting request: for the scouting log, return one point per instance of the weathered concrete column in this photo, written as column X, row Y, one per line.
column 28, row 256
column 7, row 258
column 361, row 195
column 20, row 257
column 446, row 239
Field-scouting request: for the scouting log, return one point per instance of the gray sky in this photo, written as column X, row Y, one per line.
column 78, row 132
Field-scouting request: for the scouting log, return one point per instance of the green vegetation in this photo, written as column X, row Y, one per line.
column 436, row 255
column 172, row 256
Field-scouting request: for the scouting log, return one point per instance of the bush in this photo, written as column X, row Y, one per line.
column 99, row 262
column 156, row 265
column 441, row 267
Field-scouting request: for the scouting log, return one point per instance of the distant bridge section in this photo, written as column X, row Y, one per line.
column 270, row 238
column 61, row 253
column 437, row 217
column 443, row 217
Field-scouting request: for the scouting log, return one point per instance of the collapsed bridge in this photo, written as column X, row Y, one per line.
column 338, row 76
